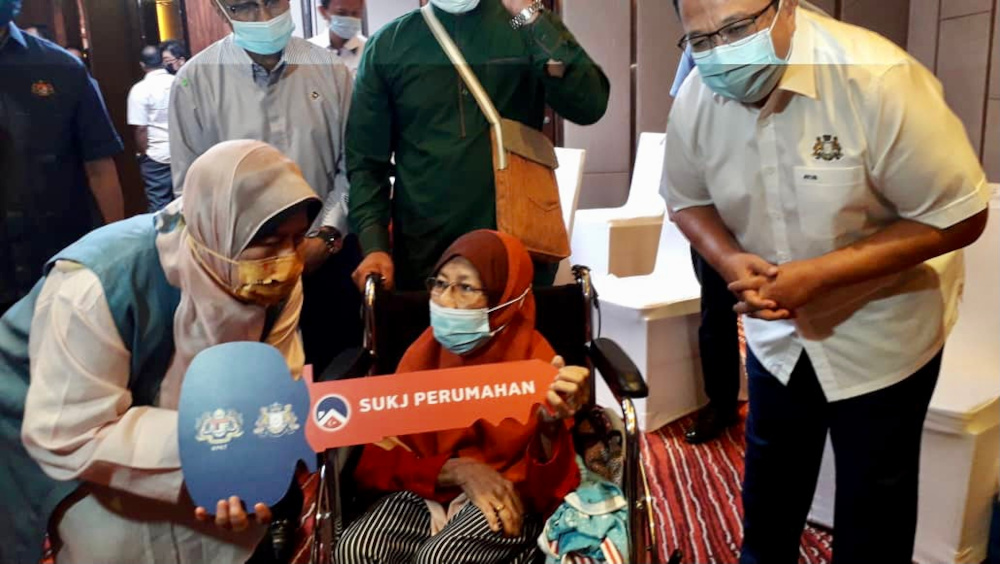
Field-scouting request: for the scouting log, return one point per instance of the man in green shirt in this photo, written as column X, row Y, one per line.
column 409, row 102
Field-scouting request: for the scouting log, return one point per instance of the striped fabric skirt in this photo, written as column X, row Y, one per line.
column 397, row 529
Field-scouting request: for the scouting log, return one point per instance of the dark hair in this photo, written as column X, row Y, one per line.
column 325, row 4
column 150, row 57
column 311, row 207
column 175, row 48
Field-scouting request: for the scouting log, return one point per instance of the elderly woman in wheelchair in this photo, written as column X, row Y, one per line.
column 476, row 495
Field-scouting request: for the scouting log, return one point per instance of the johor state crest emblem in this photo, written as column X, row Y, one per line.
column 220, row 426
column 42, row 89
column 276, row 420
column 827, row 148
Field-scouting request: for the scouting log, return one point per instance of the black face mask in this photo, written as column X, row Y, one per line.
column 170, row 69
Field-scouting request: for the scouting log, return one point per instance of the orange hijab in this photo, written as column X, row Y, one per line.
column 506, row 271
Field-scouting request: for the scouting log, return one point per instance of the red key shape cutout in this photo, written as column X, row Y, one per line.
column 367, row 410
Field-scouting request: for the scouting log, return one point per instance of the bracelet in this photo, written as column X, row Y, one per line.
column 518, row 21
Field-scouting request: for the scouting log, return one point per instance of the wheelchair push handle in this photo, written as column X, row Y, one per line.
column 618, row 370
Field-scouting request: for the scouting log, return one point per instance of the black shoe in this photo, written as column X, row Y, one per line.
column 709, row 423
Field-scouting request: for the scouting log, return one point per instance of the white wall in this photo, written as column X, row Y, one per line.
column 381, row 12
column 603, row 28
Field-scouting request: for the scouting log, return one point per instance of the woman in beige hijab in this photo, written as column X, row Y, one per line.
column 91, row 365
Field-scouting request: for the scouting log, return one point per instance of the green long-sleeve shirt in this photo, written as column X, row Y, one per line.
column 409, row 101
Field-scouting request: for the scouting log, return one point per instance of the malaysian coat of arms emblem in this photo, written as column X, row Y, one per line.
column 42, row 88
column 276, row 420
column 220, row 426
column 827, row 148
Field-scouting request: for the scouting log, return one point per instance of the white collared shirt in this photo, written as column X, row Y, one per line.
column 350, row 53
column 148, row 106
column 857, row 136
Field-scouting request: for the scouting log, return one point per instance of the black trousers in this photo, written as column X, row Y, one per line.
column 876, row 440
column 158, row 182
column 718, row 336
column 331, row 310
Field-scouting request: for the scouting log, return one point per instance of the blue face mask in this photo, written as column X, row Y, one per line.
column 345, row 27
column 264, row 38
column 746, row 71
column 462, row 331
column 9, row 9
column 456, row 6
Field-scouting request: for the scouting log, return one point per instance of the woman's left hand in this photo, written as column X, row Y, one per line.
column 568, row 392
column 230, row 514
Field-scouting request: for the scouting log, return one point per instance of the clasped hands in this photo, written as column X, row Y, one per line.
column 772, row 292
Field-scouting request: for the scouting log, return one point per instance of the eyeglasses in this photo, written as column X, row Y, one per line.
column 730, row 33
column 437, row 286
column 251, row 11
column 167, row 61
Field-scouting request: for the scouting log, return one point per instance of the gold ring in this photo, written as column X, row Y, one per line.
column 498, row 508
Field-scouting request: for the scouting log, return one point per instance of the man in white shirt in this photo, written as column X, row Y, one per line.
column 148, row 114
column 817, row 167
column 342, row 33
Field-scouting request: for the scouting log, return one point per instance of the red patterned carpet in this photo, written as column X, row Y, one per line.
column 696, row 498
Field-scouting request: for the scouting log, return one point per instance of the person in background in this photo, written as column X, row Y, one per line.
column 56, row 149
column 719, row 351
column 410, row 103
column 343, row 32
column 478, row 495
column 261, row 83
column 174, row 55
column 718, row 334
column 93, row 360
column 816, row 166
column 148, row 114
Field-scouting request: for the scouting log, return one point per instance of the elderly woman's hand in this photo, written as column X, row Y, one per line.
column 568, row 392
column 493, row 494
column 230, row 514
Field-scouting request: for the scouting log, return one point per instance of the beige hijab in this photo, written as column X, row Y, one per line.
column 230, row 192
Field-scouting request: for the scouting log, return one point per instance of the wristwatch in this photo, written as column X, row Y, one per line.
column 330, row 236
column 518, row 21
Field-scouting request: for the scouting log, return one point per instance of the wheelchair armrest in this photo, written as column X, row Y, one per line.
column 618, row 370
column 354, row 362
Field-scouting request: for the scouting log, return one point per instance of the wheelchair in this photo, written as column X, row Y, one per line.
column 393, row 321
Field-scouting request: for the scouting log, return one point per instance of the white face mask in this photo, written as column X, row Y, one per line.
column 264, row 38
column 455, row 6
column 345, row 27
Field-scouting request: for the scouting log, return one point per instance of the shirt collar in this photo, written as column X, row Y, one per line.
column 14, row 35
column 353, row 44
column 800, row 76
column 253, row 67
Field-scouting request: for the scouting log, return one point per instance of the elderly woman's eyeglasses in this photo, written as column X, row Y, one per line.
column 730, row 33
column 438, row 286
